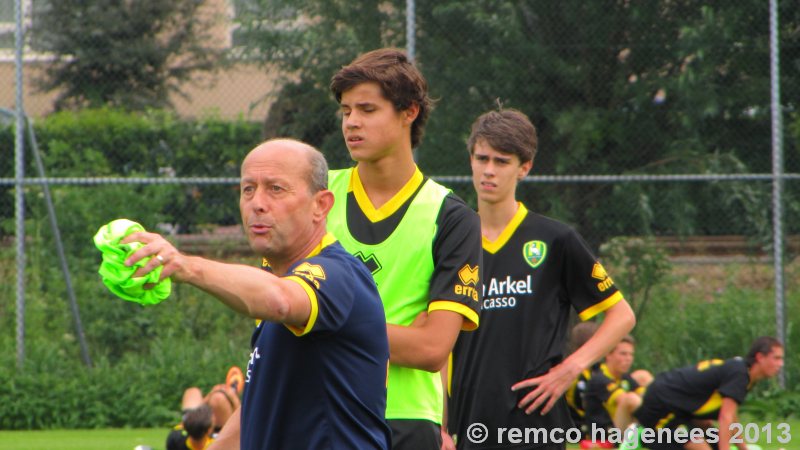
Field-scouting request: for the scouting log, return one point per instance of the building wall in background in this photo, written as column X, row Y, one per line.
column 241, row 90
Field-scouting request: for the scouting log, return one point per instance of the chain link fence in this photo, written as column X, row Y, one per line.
column 655, row 122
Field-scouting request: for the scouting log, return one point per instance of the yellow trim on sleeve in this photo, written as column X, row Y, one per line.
column 495, row 246
column 611, row 403
column 712, row 404
column 665, row 420
column 471, row 316
column 607, row 372
column 312, row 297
column 570, row 397
column 449, row 375
column 390, row 207
column 594, row 310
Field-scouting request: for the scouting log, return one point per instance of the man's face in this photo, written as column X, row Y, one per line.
column 371, row 126
column 771, row 362
column 495, row 174
column 620, row 360
column 275, row 201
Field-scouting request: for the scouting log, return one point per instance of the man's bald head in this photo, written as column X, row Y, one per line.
column 284, row 201
column 317, row 173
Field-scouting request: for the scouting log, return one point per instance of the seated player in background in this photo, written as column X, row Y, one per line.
column 220, row 403
column 194, row 431
column 579, row 334
column 612, row 394
column 711, row 389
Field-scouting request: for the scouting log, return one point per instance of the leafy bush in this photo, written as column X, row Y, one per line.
column 143, row 359
column 114, row 143
column 771, row 402
column 639, row 267
column 139, row 390
column 685, row 323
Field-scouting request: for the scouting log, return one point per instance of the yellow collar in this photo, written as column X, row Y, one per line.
column 497, row 244
column 327, row 240
column 390, row 207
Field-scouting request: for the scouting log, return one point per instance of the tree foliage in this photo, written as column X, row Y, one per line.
column 614, row 87
column 129, row 54
column 308, row 41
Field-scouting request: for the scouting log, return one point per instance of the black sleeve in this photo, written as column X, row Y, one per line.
column 590, row 289
column 735, row 380
column 457, row 257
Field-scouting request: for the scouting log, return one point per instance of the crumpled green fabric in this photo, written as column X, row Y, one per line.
column 118, row 277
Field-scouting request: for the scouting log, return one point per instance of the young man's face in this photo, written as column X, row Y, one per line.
column 620, row 360
column 771, row 362
column 495, row 174
column 371, row 126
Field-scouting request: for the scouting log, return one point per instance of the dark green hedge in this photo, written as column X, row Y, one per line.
column 113, row 143
column 143, row 357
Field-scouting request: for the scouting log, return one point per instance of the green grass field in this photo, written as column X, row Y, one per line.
column 105, row 439
column 127, row 439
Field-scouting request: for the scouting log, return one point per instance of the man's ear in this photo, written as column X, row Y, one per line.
column 524, row 169
column 411, row 113
column 323, row 200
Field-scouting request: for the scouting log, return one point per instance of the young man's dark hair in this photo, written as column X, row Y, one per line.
column 507, row 130
column 762, row 345
column 197, row 421
column 401, row 83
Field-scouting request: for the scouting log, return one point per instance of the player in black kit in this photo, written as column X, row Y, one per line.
column 511, row 372
column 711, row 389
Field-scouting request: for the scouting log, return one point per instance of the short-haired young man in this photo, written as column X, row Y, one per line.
column 578, row 336
column 710, row 390
column 511, row 372
column 421, row 242
column 612, row 394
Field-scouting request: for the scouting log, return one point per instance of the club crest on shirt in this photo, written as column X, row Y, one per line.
column 534, row 253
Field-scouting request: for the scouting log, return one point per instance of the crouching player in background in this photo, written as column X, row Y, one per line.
column 712, row 389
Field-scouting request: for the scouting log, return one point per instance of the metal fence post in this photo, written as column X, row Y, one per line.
column 777, row 177
column 19, row 153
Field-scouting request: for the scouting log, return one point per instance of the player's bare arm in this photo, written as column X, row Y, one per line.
column 619, row 320
column 447, row 440
column 228, row 438
column 727, row 416
column 426, row 344
column 248, row 290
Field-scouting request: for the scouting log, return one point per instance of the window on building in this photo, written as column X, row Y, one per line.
column 30, row 8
